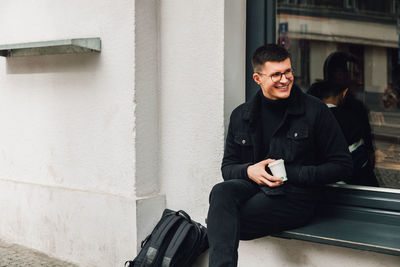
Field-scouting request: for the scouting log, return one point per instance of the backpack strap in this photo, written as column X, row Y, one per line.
column 159, row 234
column 184, row 215
column 175, row 243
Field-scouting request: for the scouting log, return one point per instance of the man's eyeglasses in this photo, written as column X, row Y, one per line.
column 277, row 76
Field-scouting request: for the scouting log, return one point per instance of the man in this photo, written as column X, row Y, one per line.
column 280, row 122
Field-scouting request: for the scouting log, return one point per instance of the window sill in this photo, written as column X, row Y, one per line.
column 350, row 217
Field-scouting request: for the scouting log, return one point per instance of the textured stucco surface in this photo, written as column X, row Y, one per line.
column 146, row 97
column 68, row 120
column 67, row 155
column 191, row 102
column 278, row 252
column 270, row 251
column 89, row 229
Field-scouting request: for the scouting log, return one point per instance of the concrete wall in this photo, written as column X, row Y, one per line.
column 375, row 69
column 67, row 163
column 319, row 51
column 234, row 56
column 191, row 101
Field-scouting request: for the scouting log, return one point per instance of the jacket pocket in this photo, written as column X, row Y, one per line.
column 299, row 143
column 246, row 147
column 297, row 134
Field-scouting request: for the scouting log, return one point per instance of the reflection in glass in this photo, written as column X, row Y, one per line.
column 347, row 110
column 368, row 31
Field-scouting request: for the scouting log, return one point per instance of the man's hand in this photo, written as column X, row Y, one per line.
column 258, row 174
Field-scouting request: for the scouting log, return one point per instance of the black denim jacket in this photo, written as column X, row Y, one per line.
column 309, row 140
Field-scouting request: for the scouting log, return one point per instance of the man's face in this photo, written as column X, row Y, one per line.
column 275, row 88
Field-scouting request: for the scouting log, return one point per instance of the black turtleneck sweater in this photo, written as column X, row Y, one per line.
column 272, row 112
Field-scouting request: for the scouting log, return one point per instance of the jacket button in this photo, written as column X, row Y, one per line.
column 243, row 141
column 295, row 134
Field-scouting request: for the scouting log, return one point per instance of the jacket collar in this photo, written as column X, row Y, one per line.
column 251, row 109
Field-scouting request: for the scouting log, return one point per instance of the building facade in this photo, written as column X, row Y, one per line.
column 94, row 146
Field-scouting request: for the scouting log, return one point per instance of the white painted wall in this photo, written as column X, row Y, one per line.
column 270, row 251
column 375, row 69
column 146, row 97
column 68, row 120
column 234, row 56
column 67, row 163
column 319, row 51
column 191, row 101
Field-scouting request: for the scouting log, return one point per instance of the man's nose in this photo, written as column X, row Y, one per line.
column 284, row 79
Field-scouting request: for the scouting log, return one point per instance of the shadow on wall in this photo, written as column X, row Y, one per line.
column 53, row 64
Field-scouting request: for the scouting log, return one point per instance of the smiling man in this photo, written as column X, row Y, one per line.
column 279, row 122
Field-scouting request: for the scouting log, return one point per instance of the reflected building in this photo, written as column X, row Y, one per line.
column 369, row 30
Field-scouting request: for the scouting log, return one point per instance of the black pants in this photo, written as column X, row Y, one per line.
column 239, row 210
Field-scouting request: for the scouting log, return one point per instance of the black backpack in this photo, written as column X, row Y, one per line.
column 176, row 241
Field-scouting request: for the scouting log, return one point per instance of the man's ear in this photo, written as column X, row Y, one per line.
column 256, row 78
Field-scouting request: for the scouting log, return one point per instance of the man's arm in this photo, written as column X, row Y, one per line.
column 336, row 162
column 232, row 167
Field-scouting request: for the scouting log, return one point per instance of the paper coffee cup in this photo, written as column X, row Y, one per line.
column 278, row 169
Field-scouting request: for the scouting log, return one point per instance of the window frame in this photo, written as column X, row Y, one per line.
column 380, row 206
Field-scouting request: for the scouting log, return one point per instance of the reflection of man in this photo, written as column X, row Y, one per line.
column 333, row 95
column 279, row 122
column 343, row 68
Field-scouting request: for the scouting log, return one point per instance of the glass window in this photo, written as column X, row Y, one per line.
column 355, row 43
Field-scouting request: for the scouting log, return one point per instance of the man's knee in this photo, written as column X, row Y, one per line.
column 227, row 190
column 219, row 191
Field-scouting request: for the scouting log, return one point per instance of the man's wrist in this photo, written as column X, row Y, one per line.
column 293, row 173
column 247, row 170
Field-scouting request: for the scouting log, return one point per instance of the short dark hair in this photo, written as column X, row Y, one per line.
column 324, row 89
column 339, row 62
column 268, row 52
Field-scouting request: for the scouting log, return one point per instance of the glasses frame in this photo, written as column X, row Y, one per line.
column 290, row 72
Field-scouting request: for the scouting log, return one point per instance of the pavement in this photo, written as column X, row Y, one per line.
column 12, row 255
